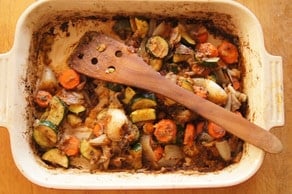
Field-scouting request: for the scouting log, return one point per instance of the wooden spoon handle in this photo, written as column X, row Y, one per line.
column 104, row 58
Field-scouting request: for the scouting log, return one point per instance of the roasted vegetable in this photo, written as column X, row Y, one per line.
column 43, row 98
column 156, row 63
column 172, row 155
column 69, row 79
column 45, row 134
column 89, row 152
column 147, row 150
column 189, row 135
column 223, row 149
column 76, row 108
column 185, row 35
column 140, row 27
column 183, row 53
column 56, row 157
column 48, row 80
column 106, row 126
column 128, row 95
column 186, row 84
column 115, row 120
column 71, row 146
column 55, row 112
column 141, row 101
column 165, row 131
column 210, row 62
column 74, row 120
column 206, row 50
column 157, row 46
column 228, row 52
column 114, row 87
column 216, row 93
column 136, row 153
column 146, row 114
column 215, row 130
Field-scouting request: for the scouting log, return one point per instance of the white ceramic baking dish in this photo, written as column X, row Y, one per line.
column 263, row 85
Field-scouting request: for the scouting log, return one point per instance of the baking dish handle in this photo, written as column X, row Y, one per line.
column 4, row 77
column 274, row 86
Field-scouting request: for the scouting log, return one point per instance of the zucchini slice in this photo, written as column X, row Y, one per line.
column 140, row 27
column 180, row 57
column 57, row 110
column 129, row 93
column 76, row 108
column 141, row 101
column 136, row 153
column 145, row 114
column 157, row 46
column 114, row 86
column 185, row 84
column 211, row 62
column 45, row 134
column 88, row 151
column 156, row 63
column 74, row 120
column 56, row 157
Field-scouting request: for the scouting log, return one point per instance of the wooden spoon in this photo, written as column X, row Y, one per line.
column 102, row 57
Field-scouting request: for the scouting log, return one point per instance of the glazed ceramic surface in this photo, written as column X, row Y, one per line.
column 263, row 84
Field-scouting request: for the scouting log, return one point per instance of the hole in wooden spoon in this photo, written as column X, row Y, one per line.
column 118, row 53
column 80, row 55
column 110, row 69
column 94, row 61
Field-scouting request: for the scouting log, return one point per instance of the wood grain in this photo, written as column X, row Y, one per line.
column 275, row 175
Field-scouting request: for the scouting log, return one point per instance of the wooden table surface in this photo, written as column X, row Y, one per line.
column 275, row 175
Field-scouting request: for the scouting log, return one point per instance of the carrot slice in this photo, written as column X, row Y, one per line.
column 69, row 79
column 189, row 135
column 43, row 98
column 200, row 127
column 207, row 50
column 71, row 146
column 148, row 128
column 98, row 129
column 202, row 35
column 235, row 83
column 215, row 130
column 165, row 131
column 228, row 52
column 158, row 153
